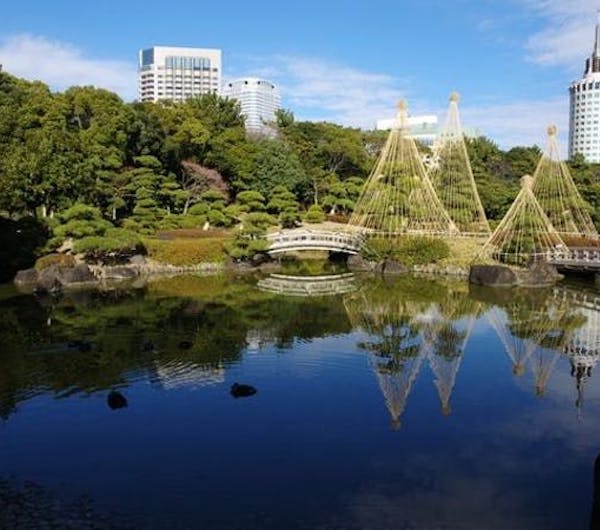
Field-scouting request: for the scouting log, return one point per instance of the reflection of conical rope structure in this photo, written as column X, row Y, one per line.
column 396, row 378
column 398, row 197
column 518, row 349
column 445, row 363
column 534, row 334
column 525, row 234
column 542, row 364
column 557, row 194
column 394, row 347
column 452, row 177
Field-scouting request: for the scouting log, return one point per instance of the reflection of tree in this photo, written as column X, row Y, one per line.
column 136, row 334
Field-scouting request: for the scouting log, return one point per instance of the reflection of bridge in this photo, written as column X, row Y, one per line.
column 303, row 239
column 308, row 285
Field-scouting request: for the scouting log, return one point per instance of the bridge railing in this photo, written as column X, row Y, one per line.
column 574, row 255
column 314, row 239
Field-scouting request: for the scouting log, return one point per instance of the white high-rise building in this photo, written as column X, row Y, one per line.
column 422, row 128
column 259, row 100
column 176, row 74
column 584, row 116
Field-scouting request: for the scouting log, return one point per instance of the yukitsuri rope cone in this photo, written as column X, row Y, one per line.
column 558, row 196
column 452, row 177
column 525, row 234
column 398, row 197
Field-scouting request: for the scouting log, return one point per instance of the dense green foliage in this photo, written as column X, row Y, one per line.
column 410, row 250
column 89, row 164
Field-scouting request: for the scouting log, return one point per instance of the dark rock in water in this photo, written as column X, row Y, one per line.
column 81, row 345
column 48, row 279
column 493, row 275
column 359, row 264
column 148, row 346
column 185, row 345
column 116, row 400
column 238, row 391
column 26, row 277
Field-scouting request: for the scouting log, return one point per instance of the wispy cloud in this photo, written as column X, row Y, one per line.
column 519, row 122
column 62, row 65
column 319, row 90
column 567, row 35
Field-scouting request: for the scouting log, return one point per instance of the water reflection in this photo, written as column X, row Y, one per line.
column 326, row 369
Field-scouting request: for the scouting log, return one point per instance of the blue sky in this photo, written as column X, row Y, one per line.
column 511, row 60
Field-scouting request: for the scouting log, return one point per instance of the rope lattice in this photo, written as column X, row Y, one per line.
column 557, row 194
column 525, row 234
column 398, row 197
column 452, row 177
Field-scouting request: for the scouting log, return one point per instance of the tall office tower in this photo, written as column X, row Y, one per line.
column 259, row 100
column 177, row 74
column 584, row 115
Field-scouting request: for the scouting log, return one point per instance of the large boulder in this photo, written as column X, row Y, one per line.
column 80, row 274
column 493, row 275
column 357, row 263
column 390, row 266
column 48, row 279
column 26, row 277
column 119, row 273
column 540, row 274
column 138, row 260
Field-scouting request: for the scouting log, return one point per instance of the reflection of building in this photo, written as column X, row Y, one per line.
column 177, row 74
column 584, row 123
column 259, row 101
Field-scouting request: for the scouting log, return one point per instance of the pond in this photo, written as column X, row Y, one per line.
column 380, row 403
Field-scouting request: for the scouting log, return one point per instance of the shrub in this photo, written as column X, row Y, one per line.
column 60, row 260
column 115, row 246
column 247, row 243
column 315, row 214
column 410, row 250
column 182, row 252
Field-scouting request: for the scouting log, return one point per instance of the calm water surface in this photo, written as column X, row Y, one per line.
column 401, row 403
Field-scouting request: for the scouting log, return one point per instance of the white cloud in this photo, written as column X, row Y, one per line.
column 519, row 122
column 62, row 65
column 319, row 90
column 567, row 36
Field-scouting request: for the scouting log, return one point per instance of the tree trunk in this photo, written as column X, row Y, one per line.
column 186, row 206
column 44, row 211
column 114, row 214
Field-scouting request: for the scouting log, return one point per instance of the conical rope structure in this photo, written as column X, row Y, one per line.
column 557, row 194
column 452, row 177
column 525, row 234
column 398, row 197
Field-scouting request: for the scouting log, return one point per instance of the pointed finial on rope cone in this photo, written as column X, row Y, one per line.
column 527, row 182
column 402, row 105
column 446, row 410
column 552, row 130
column 454, row 97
